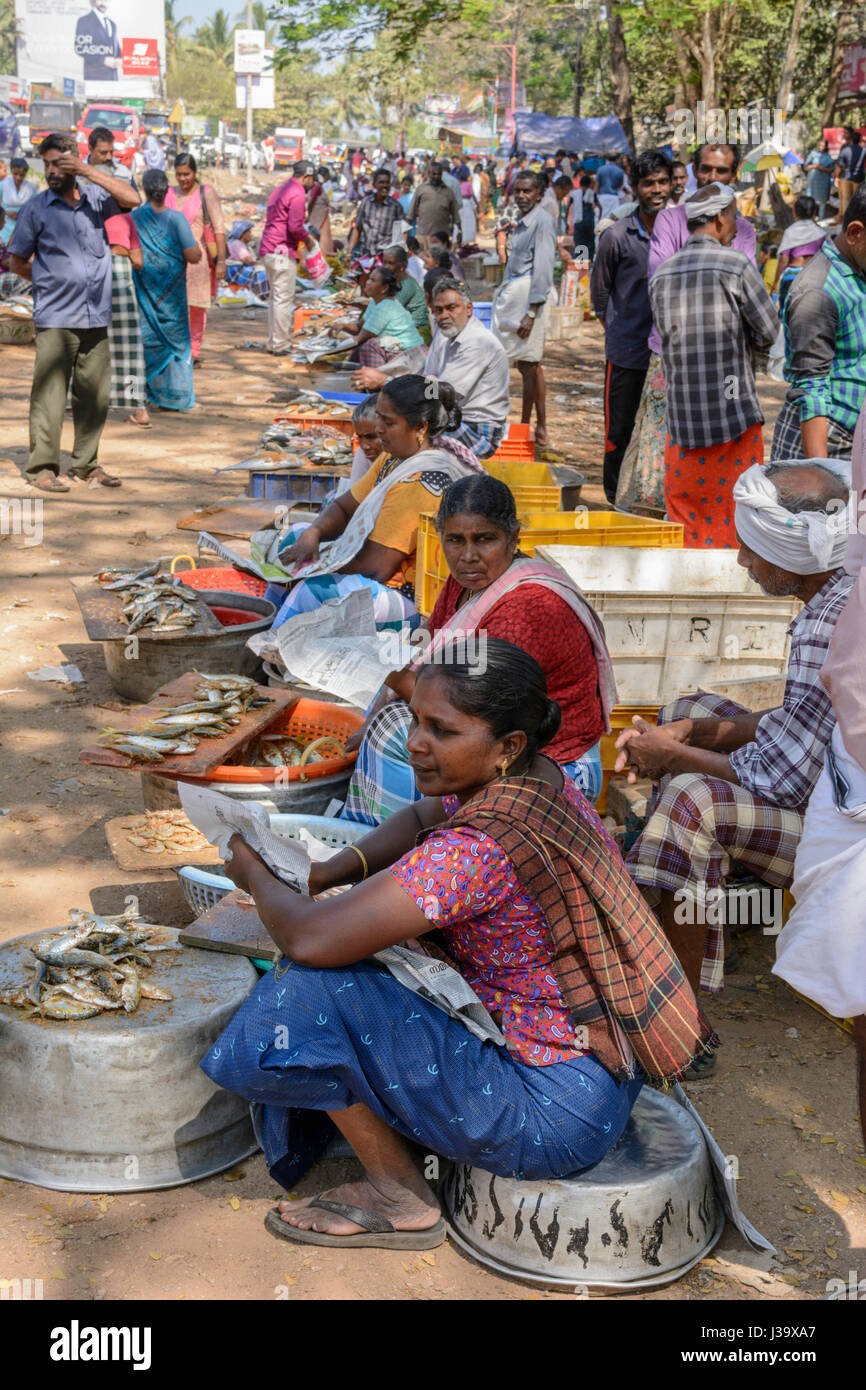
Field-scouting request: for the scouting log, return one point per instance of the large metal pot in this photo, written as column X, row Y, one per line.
column 163, row 659
column 118, row 1103
column 642, row 1216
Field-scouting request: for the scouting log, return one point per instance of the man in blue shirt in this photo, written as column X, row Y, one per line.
column 60, row 244
column 609, row 180
column 620, row 298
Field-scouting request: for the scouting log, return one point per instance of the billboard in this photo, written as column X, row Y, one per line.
column 116, row 47
column 262, row 86
column 250, row 51
column 853, row 79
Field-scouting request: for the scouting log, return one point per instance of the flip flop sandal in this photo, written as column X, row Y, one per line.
column 378, row 1231
column 142, row 424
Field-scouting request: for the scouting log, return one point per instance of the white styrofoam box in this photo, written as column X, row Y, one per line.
column 677, row 620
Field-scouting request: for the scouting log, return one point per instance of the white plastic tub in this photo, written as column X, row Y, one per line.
column 677, row 620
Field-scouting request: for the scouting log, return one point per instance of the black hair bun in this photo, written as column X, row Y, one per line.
column 549, row 724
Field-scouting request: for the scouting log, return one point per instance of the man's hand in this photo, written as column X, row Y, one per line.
column 526, row 325
column 369, row 379
column 69, row 163
column 647, row 750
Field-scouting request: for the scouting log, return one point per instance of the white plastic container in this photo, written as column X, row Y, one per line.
column 677, row 620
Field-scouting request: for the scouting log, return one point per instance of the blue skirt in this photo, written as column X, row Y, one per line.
column 307, row 1041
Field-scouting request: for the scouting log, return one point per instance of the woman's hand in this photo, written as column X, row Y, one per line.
column 243, row 860
column 220, row 268
column 304, row 549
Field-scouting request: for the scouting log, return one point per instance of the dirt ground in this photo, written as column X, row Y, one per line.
column 782, row 1101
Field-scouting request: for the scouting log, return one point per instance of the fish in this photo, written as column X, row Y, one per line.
column 60, row 1006
column 127, row 580
column 18, row 998
column 73, row 957
column 184, row 723
column 87, row 994
column 130, row 990
column 149, row 991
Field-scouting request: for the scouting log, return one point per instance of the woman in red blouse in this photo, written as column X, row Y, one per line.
column 492, row 590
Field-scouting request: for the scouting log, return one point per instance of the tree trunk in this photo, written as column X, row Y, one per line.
column 787, row 78
column 576, row 65
column 843, row 30
column 619, row 71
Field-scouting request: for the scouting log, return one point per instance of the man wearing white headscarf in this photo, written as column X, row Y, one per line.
column 822, row 948
column 738, row 781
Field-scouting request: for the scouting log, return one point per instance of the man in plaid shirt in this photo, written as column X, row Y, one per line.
column 738, row 782
column 375, row 221
column 712, row 314
column 825, row 346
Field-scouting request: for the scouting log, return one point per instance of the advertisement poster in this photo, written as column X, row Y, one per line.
column 116, row 47
column 262, row 86
column 249, row 51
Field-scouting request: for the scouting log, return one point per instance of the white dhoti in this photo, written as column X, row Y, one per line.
column 821, row 950
column 510, row 305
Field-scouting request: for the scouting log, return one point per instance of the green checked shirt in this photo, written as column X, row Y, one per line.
column 825, row 338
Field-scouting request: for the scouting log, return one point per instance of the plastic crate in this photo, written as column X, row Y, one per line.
column 204, row 888
column 620, row 718
column 518, row 446
column 313, row 419
column 305, row 721
column 483, row 311
column 532, row 484
column 679, row 620
column 344, row 397
column 227, row 581
column 582, row 528
column 308, row 488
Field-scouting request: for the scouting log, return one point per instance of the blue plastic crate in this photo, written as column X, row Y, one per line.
column 309, row 489
column 344, row 397
column 483, row 310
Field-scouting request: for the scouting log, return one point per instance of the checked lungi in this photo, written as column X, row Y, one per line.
column 482, row 438
column 124, row 339
column 788, row 443
column 700, row 825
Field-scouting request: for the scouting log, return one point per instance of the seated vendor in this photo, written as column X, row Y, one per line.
column 241, row 268
column 533, row 1073
column 493, row 591
column 238, row 244
column 386, row 331
column 472, row 359
column 409, row 293
column 739, row 782
column 367, row 537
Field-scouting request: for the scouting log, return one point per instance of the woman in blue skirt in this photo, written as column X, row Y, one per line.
column 561, row 994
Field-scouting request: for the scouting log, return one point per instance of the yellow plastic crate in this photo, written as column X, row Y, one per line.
column 543, row 528
column 532, row 484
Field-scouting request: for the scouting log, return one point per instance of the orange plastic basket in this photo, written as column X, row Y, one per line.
column 229, row 581
column 312, row 419
column 304, row 721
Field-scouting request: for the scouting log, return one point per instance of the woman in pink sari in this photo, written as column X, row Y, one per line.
column 201, row 207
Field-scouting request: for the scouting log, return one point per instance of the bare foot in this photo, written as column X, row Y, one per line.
column 405, row 1210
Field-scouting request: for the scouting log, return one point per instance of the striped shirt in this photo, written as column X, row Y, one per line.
column 782, row 763
column 712, row 312
column 825, row 338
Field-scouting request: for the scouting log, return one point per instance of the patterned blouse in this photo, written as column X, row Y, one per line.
column 495, row 932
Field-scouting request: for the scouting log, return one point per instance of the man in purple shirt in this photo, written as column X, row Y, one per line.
column 59, row 244
column 285, row 230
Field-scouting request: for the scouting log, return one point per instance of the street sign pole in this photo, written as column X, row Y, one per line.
column 249, row 103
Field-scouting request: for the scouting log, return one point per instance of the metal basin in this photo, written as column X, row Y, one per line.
column 163, row 659
column 312, row 798
column 642, row 1216
column 117, row 1103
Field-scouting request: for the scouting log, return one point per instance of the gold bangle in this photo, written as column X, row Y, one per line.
column 363, row 858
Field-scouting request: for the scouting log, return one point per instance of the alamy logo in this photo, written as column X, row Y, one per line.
column 77, row 1343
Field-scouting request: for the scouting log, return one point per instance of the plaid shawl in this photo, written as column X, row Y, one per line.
column 611, row 960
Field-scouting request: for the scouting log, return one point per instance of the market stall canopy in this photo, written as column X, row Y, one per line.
column 768, row 156
column 536, row 133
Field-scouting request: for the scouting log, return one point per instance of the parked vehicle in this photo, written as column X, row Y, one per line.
column 53, row 114
column 8, row 131
column 289, row 145
column 122, row 121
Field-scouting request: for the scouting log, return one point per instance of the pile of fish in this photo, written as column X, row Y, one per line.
column 152, row 600
column 285, row 446
column 336, row 410
column 91, row 967
column 218, row 704
column 279, row 750
column 166, row 832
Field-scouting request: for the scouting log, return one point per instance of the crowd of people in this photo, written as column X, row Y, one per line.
column 477, row 780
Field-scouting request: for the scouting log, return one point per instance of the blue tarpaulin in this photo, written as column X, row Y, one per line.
column 535, row 133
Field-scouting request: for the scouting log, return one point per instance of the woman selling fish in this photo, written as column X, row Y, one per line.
column 491, row 590
column 553, row 1018
column 366, row 537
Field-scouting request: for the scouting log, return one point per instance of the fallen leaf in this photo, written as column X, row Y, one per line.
column 154, row 1256
column 791, row 1173
column 234, row 1203
column 57, row 1273
column 235, row 1175
column 45, row 1206
column 833, row 1254
column 860, row 1187
column 429, row 1259
column 799, row 1208
column 839, row 1197
column 827, row 1139
column 861, row 1160
column 808, row 1109
column 289, row 1279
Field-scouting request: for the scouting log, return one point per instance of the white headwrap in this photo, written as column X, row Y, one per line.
column 801, row 542
column 709, row 207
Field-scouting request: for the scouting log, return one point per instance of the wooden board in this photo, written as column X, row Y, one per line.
column 127, row 856
column 238, row 516
column 231, row 927
column 102, row 614
column 211, row 752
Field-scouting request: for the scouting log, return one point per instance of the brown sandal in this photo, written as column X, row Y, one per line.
column 47, row 481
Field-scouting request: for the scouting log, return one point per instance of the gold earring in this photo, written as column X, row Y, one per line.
column 420, row 439
column 503, row 768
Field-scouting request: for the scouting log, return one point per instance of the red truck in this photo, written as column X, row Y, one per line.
column 124, row 123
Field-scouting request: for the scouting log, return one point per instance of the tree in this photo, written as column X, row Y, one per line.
column 619, row 70
column 8, row 35
column 216, row 36
column 173, row 26
column 841, row 38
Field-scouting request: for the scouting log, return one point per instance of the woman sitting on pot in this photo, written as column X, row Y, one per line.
column 532, row 1070
column 492, row 589
column 386, row 333
column 366, row 537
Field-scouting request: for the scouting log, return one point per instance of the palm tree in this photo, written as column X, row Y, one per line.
column 261, row 18
column 8, row 35
column 216, row 35
column 173, row 25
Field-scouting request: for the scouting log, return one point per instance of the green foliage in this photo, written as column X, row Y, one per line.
column 8, row 31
